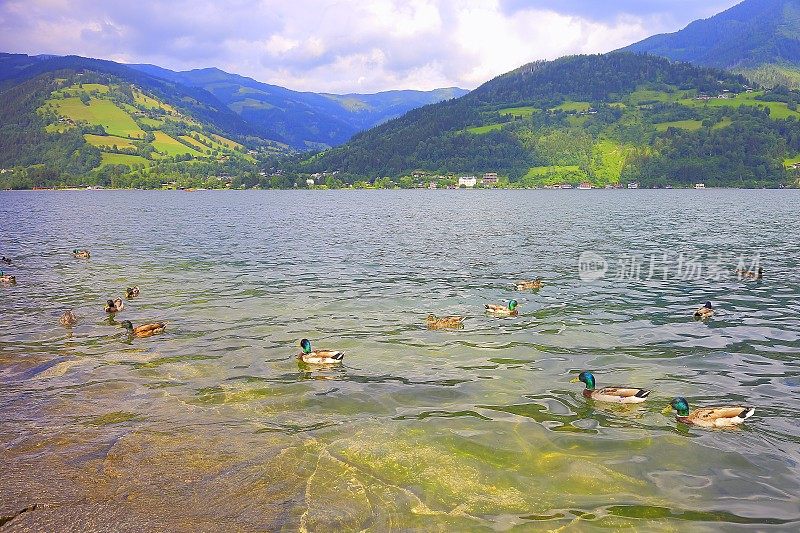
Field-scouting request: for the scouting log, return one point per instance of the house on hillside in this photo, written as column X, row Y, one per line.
column 467, row 181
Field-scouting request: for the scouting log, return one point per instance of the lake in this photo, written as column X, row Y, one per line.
column 213, row 425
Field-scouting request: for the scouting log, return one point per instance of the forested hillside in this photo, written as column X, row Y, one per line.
column 603, row 118
column 74, row 121
column 758, row 38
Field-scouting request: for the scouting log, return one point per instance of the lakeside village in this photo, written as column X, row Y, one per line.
column 417, row 180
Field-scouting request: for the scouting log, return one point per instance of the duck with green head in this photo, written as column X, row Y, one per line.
column 610, row 394
column 709, row 417
column 7, row 278
column 318, row 357
column 503, row 310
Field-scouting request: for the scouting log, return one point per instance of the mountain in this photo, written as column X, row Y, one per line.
column 74, row 120
column 601, row 118
column 302, row 119
column 759, row 38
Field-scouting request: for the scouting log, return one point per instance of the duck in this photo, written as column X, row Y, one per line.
column 529, row 284
column 132, row 292
column 610, row 394
column 709, row 417
column 749, row 274
column 444, row 322
column 68, row 319
column 7, row 278
column 145, row 330
column 705, row 312
column 81, row 254
column 318, row 357
column 501, row 310
column 6, row 260
column 114, row 306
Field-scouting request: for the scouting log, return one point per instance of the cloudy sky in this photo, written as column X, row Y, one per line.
column 341, row 45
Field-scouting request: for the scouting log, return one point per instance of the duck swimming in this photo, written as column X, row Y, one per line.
column 81, row 254
column 6, row 260
column 145, row 330
column 68, row 319
column 709, row 417
column 114, row 306
column 318, row 357
column 705, row 312
column 529, row 285
column 501, row 310
column 132, row 292
column 7, row 278
column 444, row 322
column 610, row 394
column 749, row 274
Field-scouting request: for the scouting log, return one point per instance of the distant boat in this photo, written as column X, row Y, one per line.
column 633, row 185
column 668, row 187
column 699, row 185
column 585, row 186
column 566, row 186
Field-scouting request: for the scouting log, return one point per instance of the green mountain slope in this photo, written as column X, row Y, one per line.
column 760, row 38
column 72, row 120
column 302, row 119
column 602, row 118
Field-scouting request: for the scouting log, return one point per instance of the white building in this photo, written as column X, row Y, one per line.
column 467, row 181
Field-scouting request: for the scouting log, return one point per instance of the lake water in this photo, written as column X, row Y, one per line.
column 213, row 425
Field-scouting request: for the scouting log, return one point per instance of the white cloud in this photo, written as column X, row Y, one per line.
column 342, row 46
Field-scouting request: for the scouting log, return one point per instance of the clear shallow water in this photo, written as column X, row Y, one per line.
column 214, row 424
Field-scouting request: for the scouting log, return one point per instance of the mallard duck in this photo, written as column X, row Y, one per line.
column 503, row 310
column 132, row 292
column 81, row 254
column 610, row 394
column 749, row 274
column 709, row 417
column 704, row 312
column 7, row 278
column 318, row 357
column 145, row 330
column 444, row 322
column 68, row 319
column 6, row 260
column 114, row 306
column 529, row 285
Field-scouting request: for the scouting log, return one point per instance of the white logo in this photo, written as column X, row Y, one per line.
column 591, row 266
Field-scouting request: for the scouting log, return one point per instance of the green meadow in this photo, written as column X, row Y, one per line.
column 99, row 112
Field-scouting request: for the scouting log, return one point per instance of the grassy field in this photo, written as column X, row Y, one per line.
column 644, row 96
column 523, row 112
column 481, row 130
column 778, row 110
column 544, row 171
column 577, row 120
column 108, row 141
column 100, row 112
column 121, row 159
column 197, row 144
column 724, row 123
column 167, row 146
column 75, row 90
column 609, row 159
column 573, row 107
column 227, row 143
column 691, row 125
column 151, row 103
